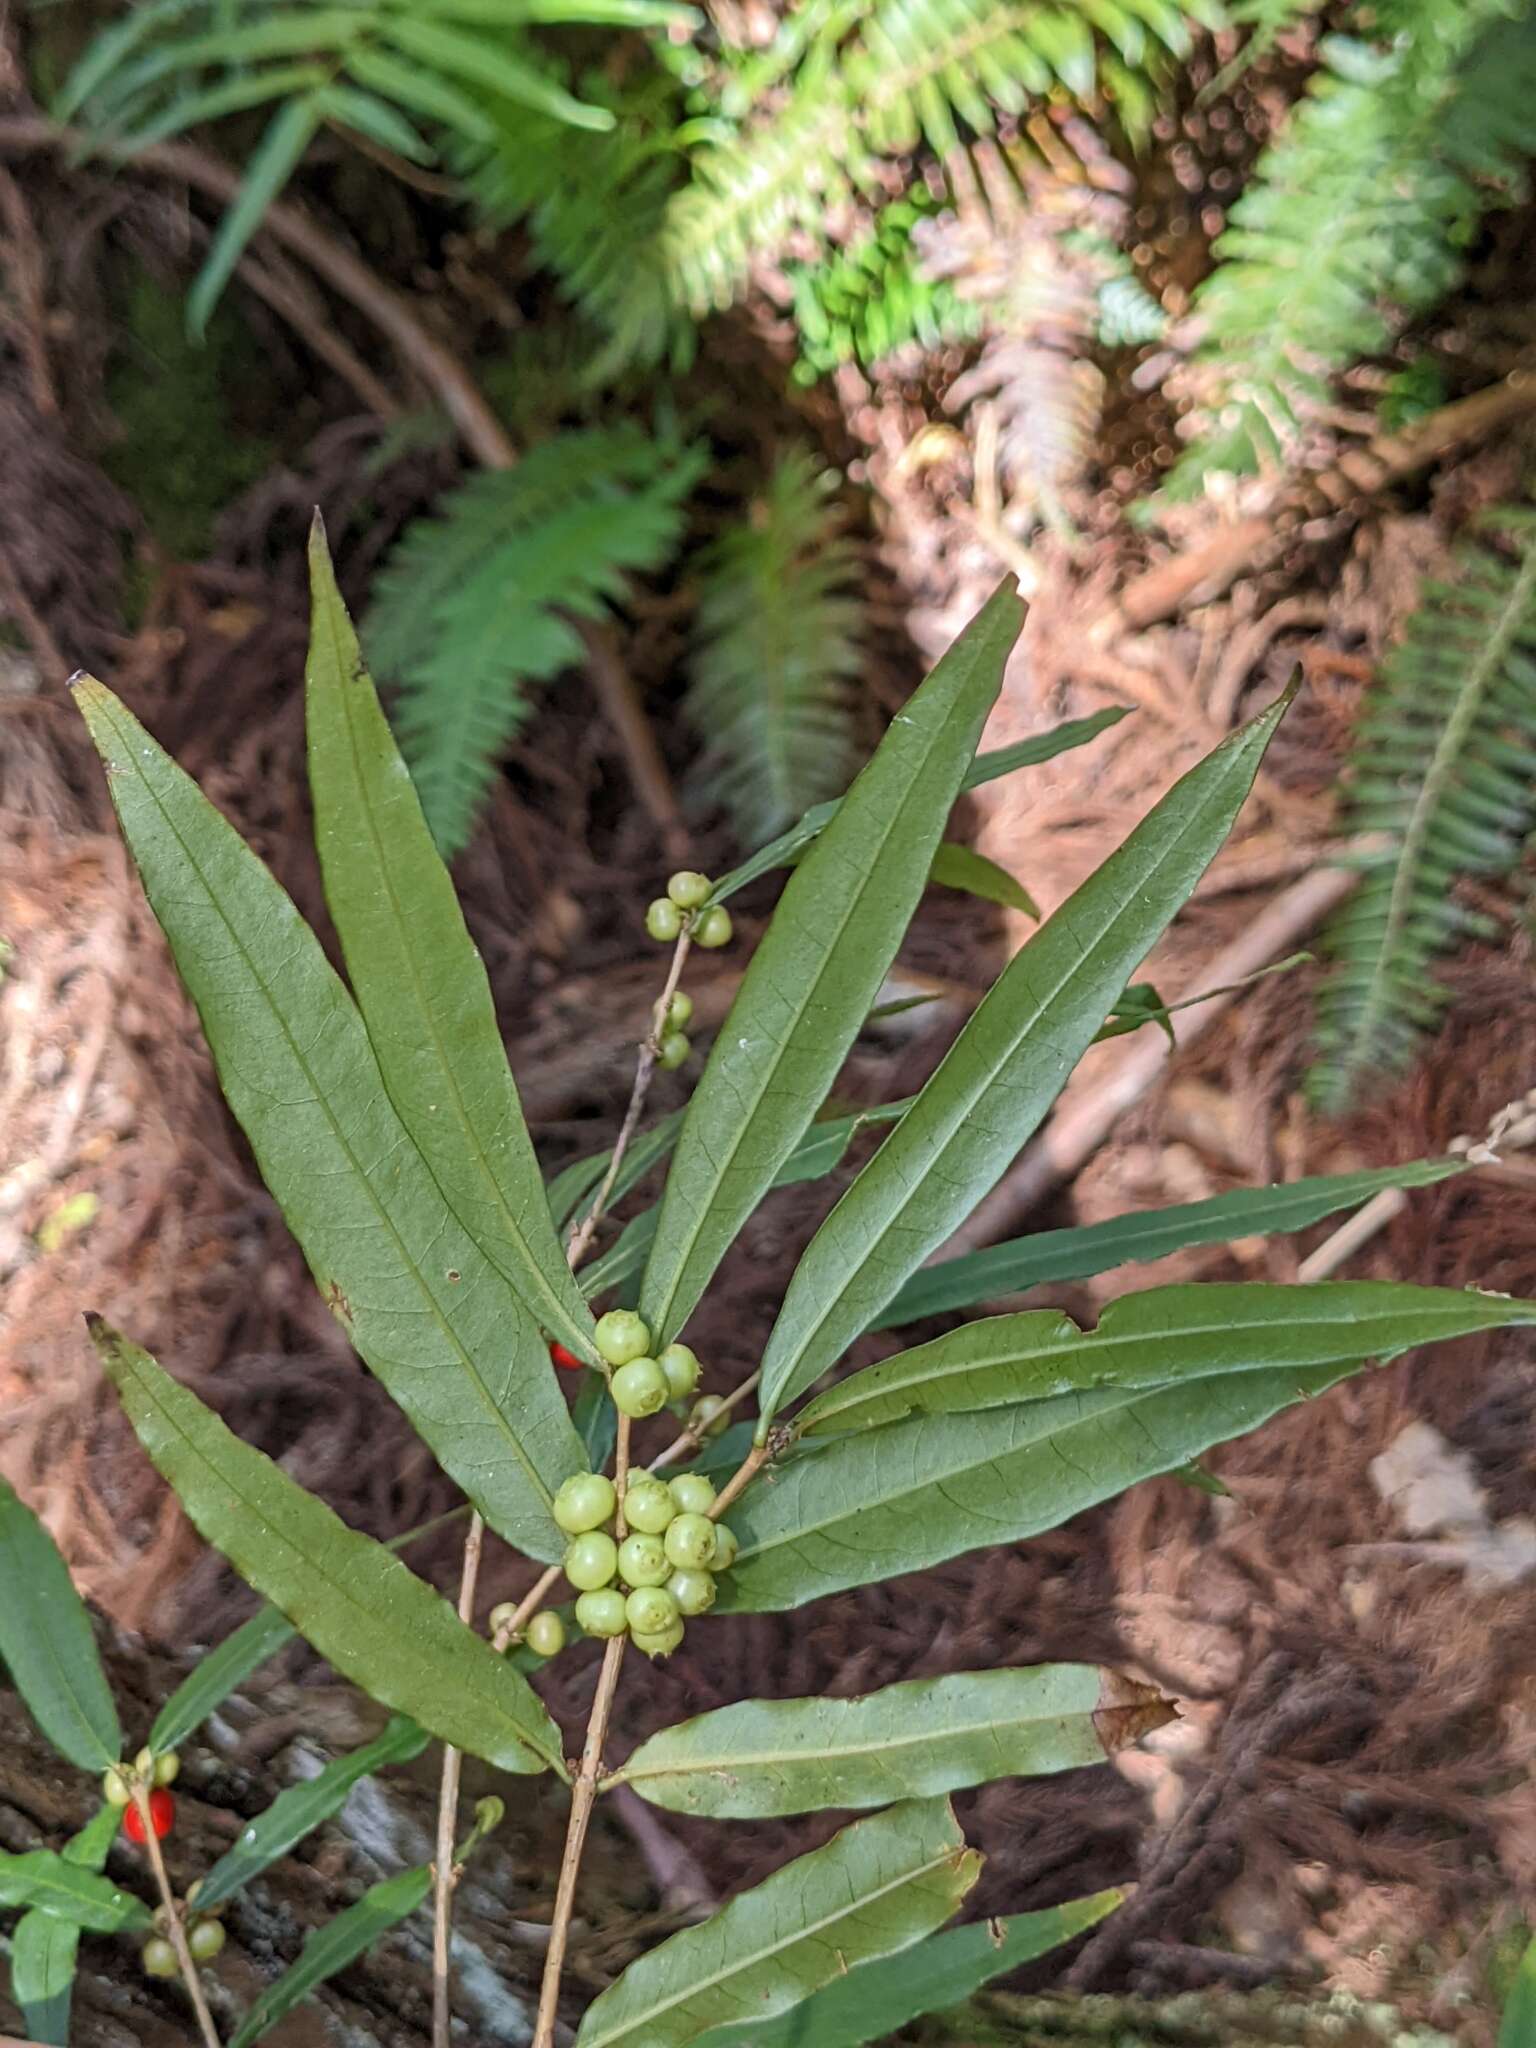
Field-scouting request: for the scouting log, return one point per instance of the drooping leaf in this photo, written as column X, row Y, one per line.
column 289, row 133
column 876, row 2000
column 818, row 969
column 849, row 1510
column 70, row 1892
column 43, row 1947
column 380, row 1625
column 876, row 1888
column 962, row 867
column 1162, row 1337
column 1003, row 1071
column 331, row 1947
column 1053, row 1255
column 435, row 1322
column 301, row 1808
column 47, row 1644
column 763, row 1758
column 419, row 981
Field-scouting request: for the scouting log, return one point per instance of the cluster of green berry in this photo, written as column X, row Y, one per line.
column 686, row 903
column 664, row 1567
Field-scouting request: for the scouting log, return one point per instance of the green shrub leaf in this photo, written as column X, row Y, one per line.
column 69, row 1892
column 380, row 1625
column 217, row 1675
column 448, row 1338
column 763, row 1758
column 962, row 867
column 289, row 133
column 47, row 1644
column 876, row 1888
column 43, row 1947
column 420, row 983
column 295, row 1812
column 854, row 1509
column 1003, row 1071
column 1158, row 1338
column 332, row 1947
column 819, row 968
column 1053, row 1255
column 876, row 2000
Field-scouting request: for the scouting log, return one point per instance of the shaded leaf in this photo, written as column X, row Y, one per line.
column 962, row 867
column 488, row 66
column 854, row 1509
column 47, row 1644
column 1518, row 2027
column 380, row 1625
column 433, row 1320
column 1003, row 1071
column 217, row 1675
column 44, row 1948
column 332, row 1947
column 267, row 171
column 763, row 1758
column 295, row 1812
column 69, row 1892
column 818, row 969
column 876, row 1888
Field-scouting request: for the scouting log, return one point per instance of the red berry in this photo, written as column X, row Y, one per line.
column 567, row 1359
column 162, row 1812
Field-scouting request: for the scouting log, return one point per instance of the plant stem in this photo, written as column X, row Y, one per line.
column 174, row 1927
column 583, row 1792
column 691, row 1440
column 645, row 1067
column 444, row 1874
column 741, row 1478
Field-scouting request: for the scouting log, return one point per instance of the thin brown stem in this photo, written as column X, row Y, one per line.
column 583, row 1792
column 740, row 1479
column 645, row 1068
column 444, row 1874
column 526, row 1608
column 692, row 1439
column 174, row 1925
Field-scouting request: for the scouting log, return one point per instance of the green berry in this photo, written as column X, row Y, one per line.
column 692, row 1492
column 726, row 1548
column 690, row 1542
column 679, row 1011
column 709, row 1416
column 158, row 1958
column 693, row 1591
column 502, row 1615
column 114, row 1788
column 651, row 1610
column 205, row 1939
column 639, row 1388
column 643, row 1561
column 648, row 1504
column 591, row 1561
column 602, row 1613
column 663, row 919
column 167, row 1768
column 622, row 1335
column 682, row 1370
column 714, row 927
column 688, row 889
column 144, row 1763
column 674, row 1050
column 660, row 1645
column 546, row 1635
column 584, row 1501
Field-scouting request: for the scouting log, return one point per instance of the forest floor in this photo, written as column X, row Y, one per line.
column 1346, row 1807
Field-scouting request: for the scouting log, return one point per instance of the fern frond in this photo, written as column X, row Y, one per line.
column 475, row 604
column 872, row 298
column 1356, row 218
column 777, row 653
column 1444, row 765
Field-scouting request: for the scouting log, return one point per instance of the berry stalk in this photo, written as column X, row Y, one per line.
column 174, row 1926
column 445, row 1871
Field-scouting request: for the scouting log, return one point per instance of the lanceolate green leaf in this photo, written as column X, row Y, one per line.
column 817, row 971
column 876, row 2000
column 69, row 1892
column 1052, row 1255
column 288, row 135
column 335, row 1945
column 43, row 1947
column 47, row 1644
column 380, row 1625
column 876, row 1888
column 859, row 1508
column 301, row 1808
column 218, row 1675
column 436, row 1322
column 763, row 1758
column 1003, row 1071
column 420, row 983
column 1159, row 1338
column 962, row 867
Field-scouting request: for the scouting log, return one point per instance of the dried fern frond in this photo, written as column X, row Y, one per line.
column 1444, row 763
